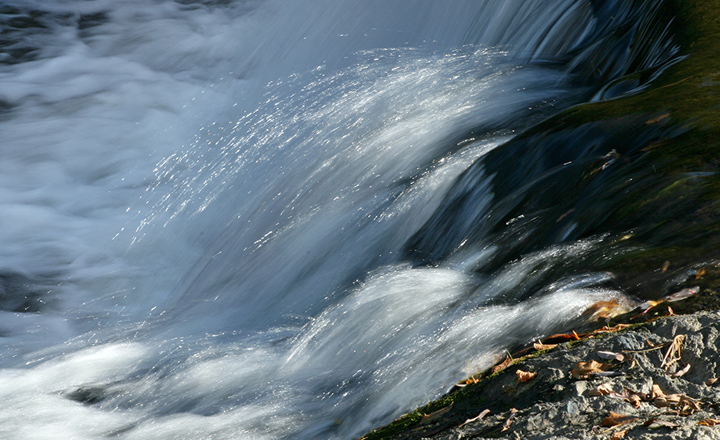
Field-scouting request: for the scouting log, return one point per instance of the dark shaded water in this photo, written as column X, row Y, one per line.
column 272, row 219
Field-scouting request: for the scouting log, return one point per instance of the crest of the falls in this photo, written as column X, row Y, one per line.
column 206, row 205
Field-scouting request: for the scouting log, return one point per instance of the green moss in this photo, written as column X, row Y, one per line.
column 675, row 213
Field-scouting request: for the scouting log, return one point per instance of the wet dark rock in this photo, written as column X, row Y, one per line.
column 88, row 395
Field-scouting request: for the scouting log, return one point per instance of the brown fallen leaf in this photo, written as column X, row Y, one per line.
column 615, row 419
column 665, row 266
column 524, row 376
column 601, row 390
column 684, row 404
column 503, row 365
column 618, row 435
column 560, row 336
column 629, row 396
column 476, row 418
column 709, row 422
column 670, row 311
column 427, row 418
column 655, row 423
column 699, row 273
column 583, row 370
column 670, row 400
column 468, row 381
column 712, row 381
column 564, row 336
column 682, row 372
column 603, row 329
column 620, row 396
column 656, row 391
column 609, row 355
column 509, row 421
column 540, row 346
column 692, row 404
column 605, row 310
column 634, row 398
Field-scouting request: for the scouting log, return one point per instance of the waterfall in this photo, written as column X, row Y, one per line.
column 268, row 219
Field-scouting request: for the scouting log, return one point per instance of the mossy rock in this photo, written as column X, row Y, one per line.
column 666, row 214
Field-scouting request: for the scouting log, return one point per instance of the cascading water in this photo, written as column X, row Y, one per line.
column 207, row 206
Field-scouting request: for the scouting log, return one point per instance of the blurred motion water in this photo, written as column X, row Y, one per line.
column 205, row 207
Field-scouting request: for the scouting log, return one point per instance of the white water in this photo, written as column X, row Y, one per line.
column 213, row 200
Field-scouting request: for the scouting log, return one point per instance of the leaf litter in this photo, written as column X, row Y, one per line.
column 679, row 405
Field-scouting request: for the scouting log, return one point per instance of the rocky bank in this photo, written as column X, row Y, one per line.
column 659, row 382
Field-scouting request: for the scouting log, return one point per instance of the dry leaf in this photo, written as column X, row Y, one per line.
column 665, row 266
column 629, row 396
column 499, row 367
column 699, row 273
column 618, row 435
column 560, row 336
column 468, row 381
column 670, row 400
column 601, row 390
column 683, row 294
column 583, row 369
column 427, row 418
column 620, row 396
column 605, row 310
column 657, row 119
column 615, row 419
column 712, row 381
column 540, row 346
column 509, row 421
column 657, row 423
column 670, row 311
column 524, row 376
column 681, row 372
column 692, row 404
column 634, row 399
column 674, row 353
column 683, row 403
column 617, row 327
column 656, row 392
column 476, row 418
column 565, row 336
column 611, row 356
column 709, row 422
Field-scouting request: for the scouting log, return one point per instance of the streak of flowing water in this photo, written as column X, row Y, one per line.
column 205, row 204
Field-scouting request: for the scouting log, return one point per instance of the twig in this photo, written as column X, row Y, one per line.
column 646, row 350
column 674, row 353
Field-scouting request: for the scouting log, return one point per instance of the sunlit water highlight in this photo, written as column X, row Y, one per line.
column 207, row 203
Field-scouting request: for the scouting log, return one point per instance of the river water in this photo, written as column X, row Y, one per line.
column 207, row 208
